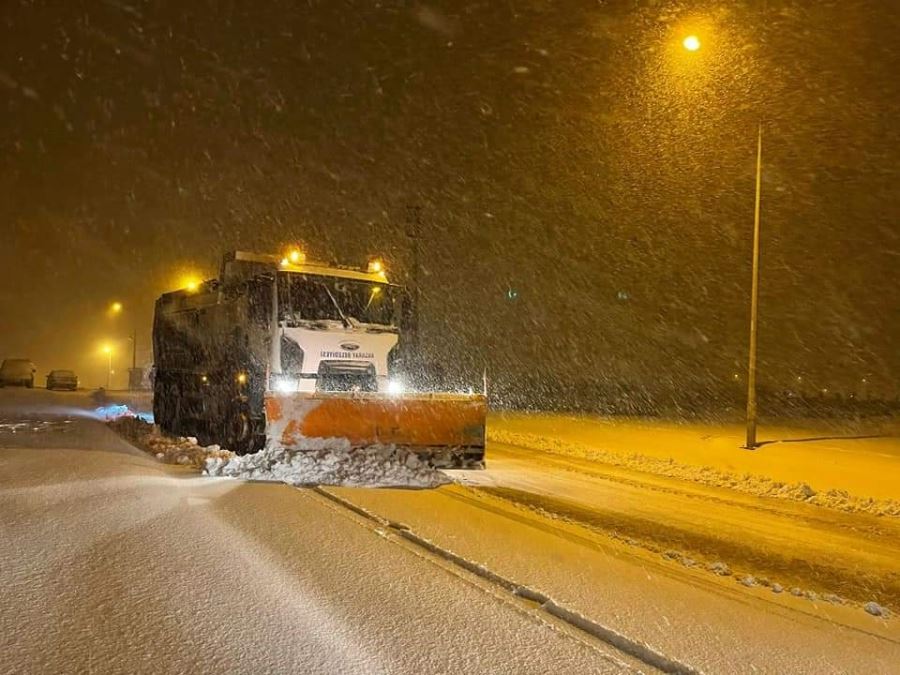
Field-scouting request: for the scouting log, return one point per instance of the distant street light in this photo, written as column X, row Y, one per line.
column 115, row 307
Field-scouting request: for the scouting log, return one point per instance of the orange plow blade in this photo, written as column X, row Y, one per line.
column 437, row 424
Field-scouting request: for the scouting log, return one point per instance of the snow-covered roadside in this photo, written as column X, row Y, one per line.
column 319, row 462
column 707, row 475
column 741, row 573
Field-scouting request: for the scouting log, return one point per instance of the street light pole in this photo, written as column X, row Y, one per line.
column 692, row 44
column 108, row 368
column 754, row 304
column 115, row 309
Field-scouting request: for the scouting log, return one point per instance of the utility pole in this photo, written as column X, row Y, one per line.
column 754, row 305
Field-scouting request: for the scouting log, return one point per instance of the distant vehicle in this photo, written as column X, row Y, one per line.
column 17, row 373
column 62, row 379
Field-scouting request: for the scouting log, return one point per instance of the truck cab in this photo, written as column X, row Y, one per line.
column 334, row 330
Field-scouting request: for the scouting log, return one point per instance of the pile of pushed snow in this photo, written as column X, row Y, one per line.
column 761, row 486
column 168, row 449
column 330, row 462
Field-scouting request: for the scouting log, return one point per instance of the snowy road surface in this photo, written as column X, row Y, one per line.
column 113, row 562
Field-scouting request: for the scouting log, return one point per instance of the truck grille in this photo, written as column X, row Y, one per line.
column 346, row 376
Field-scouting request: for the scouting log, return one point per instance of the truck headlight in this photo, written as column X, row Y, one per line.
column 395, row 387
column 284, row 385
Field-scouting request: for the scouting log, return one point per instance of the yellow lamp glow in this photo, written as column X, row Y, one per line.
column 691, row 43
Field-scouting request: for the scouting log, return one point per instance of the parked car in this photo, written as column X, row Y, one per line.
column 62, row 379
column 17, row 373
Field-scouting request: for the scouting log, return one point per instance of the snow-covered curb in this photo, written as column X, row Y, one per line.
column 707, row 475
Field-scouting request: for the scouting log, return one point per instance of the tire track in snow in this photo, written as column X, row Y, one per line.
column 818, row 569
column 636, row 649
column 851, row 583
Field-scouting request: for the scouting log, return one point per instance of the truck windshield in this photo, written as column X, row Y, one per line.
column 319, row 298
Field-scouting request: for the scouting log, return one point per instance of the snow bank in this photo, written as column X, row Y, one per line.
column 331, row 462
column 707, row 475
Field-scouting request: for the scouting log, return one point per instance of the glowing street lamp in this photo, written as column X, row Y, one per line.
column 116, row 308
column 691, row 43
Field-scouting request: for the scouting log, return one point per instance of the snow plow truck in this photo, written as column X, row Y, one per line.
column 289, row 351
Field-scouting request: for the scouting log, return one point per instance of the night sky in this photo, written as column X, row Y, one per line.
column 570, row 151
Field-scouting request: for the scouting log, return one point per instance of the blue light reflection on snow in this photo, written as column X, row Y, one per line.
column 108, row 413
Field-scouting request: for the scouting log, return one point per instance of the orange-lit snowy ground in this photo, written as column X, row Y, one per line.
column 622, row 520
column 861, row 458
column 115, row 562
